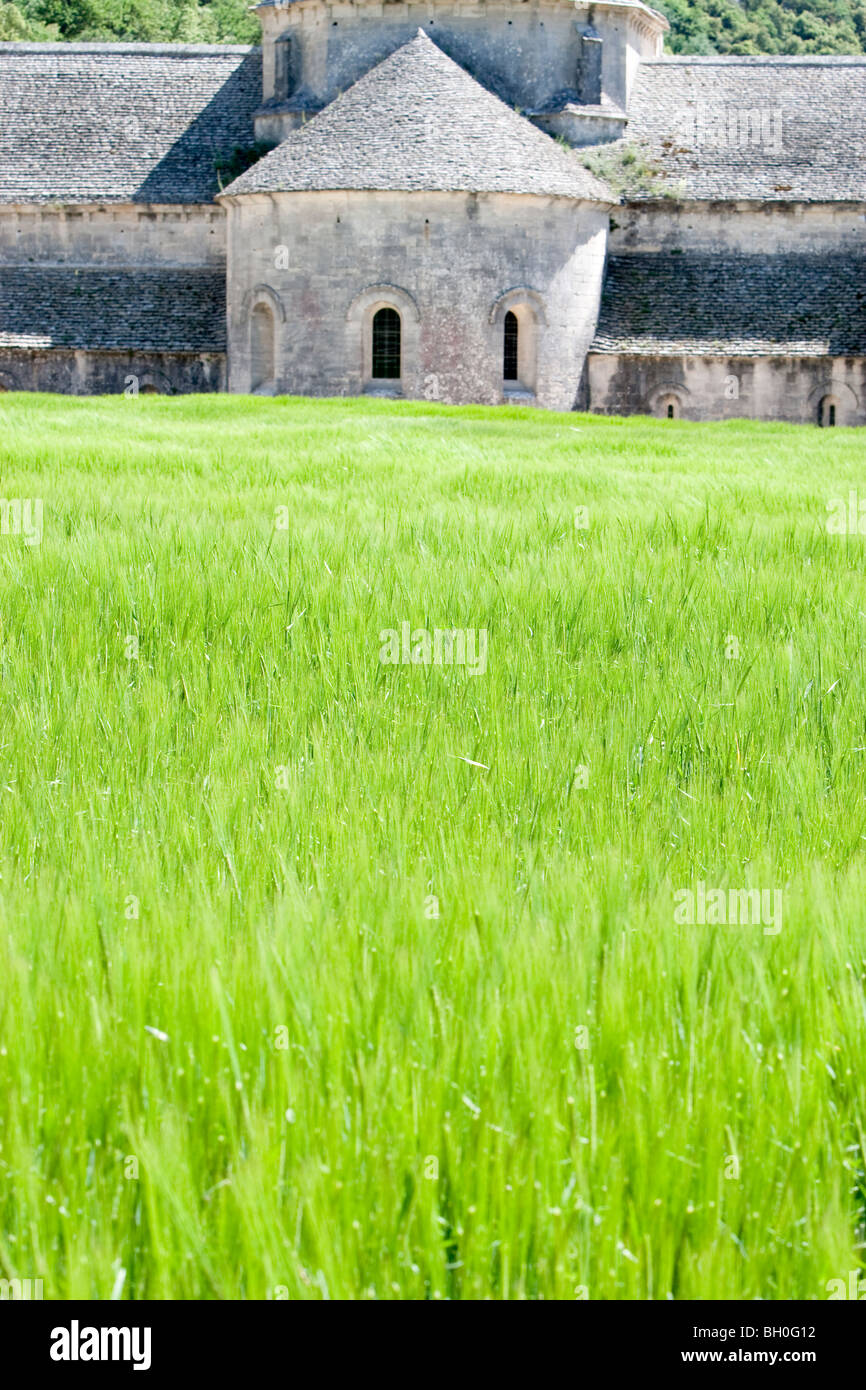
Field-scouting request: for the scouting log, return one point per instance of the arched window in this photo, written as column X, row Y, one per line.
column 261, row 347
column 826, row 411
column 667, row 406
column 510, row 347
column 518, row 321
column 149, row 383
column 383, row 326
column 671, row 415
column 386, row 345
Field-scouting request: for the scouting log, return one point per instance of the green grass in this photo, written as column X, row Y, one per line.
column 304, row 1161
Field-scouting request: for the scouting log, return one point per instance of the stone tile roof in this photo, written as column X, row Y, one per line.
column 84, row 123
column 808, row 141
column 159, row 310
column 419, row 121
column 745, row 306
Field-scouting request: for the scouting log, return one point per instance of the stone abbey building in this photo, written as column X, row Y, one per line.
column 455, row 200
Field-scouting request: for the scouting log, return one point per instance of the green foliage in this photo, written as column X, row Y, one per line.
column 187, row 21
column 697, row 26
column 628, row 169
column 367, row 908
column 235, row 162
column 16, row 26
column 765, row 26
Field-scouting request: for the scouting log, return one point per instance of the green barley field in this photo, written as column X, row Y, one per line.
column 329, row 978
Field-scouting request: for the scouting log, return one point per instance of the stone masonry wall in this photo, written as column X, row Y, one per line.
column 747, row 228
column 81, row 373
column 726, row 388
column 312, row 258
column 106, row 234
column 525, row 52
column 134, row 244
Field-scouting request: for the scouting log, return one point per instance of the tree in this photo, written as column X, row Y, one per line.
column 15, row 26
column 145, row 21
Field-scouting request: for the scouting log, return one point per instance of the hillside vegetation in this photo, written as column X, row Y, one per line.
column 765, row 26
column 697, row 26
column 145, row 21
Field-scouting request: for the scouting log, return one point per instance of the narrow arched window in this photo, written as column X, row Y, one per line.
column 386, row 345
column 261, row 347
column 826, row 411
column 509, row 355
column 671, row 411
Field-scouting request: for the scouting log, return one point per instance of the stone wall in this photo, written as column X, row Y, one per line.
column 526, row 51
column 126, row 240
column 727, row 388
column 738, row 227
column 83, row 373
column 112, row 234
column 452, row 264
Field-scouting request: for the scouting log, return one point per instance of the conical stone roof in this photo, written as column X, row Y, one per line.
column 418, row 122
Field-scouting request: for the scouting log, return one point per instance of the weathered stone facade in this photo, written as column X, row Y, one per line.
column 372, row 202
column 741, row 290
column 97, row 373
column 111, row 298
column 692, row 387
column 543, row 56
column 541, row 259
